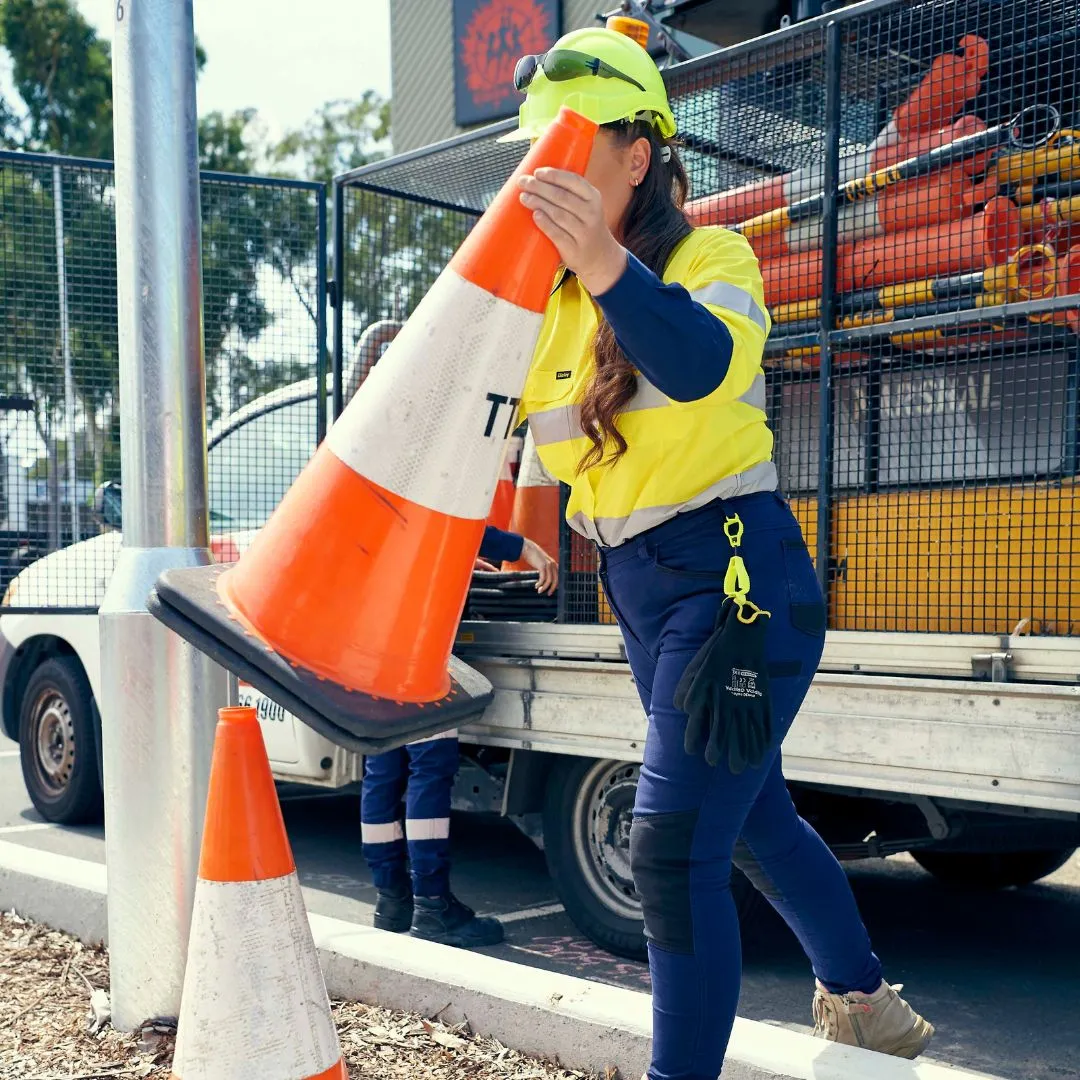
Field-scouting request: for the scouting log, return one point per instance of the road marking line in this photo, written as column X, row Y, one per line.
column 531, row 913
column 36, row 827
column 9, row 753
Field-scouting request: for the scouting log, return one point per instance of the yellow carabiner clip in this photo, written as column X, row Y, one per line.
column 733, row 530
column 755, row 612
column 736, row 579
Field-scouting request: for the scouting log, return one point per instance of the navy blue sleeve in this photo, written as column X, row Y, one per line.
column 501, row 546
column 680, row 346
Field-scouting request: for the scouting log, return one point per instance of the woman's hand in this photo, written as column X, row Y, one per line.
column 544, row 564
column 570, row 212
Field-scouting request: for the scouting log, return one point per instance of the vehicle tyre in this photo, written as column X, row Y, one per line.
column 588, row 808
column 991, row 869
column 57, row 743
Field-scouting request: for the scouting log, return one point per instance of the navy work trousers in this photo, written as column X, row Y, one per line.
column 692, row 820
column 405, row 815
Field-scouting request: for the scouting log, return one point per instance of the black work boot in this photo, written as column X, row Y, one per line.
column 448, row 921
column 394, row 908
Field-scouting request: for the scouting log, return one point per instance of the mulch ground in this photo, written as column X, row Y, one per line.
column 54, row 1026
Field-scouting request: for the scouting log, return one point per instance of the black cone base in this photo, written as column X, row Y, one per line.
column 187, row 602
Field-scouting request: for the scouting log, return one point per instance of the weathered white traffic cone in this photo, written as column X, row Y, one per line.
column 254, row 1004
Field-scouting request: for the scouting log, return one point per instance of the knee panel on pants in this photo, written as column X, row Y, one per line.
column 660, row 863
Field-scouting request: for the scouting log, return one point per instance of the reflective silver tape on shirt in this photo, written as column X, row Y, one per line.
column 555, row 425
column 564, row 422
column 755, row 396
column 725, row 295
column 612, row 531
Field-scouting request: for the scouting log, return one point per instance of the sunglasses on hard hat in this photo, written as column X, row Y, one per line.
column 561, row 65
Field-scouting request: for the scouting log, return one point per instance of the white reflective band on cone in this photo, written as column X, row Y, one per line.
column 430, row 422
column 268, row 1017
column 531, row 472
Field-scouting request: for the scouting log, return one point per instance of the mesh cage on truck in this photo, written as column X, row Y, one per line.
column 922, row 368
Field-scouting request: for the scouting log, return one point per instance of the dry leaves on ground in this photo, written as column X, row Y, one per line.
column 52, row 1026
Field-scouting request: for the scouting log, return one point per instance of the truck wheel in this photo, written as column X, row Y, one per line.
column 57, row 746
column 588, row 808
column 991, row 869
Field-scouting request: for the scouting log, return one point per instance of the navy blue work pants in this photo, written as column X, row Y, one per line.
column 405, row 815
column 690, row 819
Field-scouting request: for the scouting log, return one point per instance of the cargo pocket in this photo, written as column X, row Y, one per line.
column 804, row 592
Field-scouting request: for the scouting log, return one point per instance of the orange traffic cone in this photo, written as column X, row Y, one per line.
column 254, row 1001
column 502, row 506
column 359, row 578
column 536, row 504
column 957, row 247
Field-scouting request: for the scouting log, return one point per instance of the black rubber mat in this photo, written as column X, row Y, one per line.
column 187, row 602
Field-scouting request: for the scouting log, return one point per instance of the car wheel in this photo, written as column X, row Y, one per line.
column 588, row 809
column 57, row 743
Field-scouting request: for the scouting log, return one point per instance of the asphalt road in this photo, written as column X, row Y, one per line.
column 998, row 973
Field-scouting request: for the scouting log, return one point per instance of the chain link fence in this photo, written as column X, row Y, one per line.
column 264, row 288
column 909, row 176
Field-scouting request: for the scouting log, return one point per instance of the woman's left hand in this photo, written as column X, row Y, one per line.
column 570, row 212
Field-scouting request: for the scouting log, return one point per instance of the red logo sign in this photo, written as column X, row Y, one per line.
column 496, row 34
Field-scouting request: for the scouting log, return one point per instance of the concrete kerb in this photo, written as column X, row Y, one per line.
column 585, row 1025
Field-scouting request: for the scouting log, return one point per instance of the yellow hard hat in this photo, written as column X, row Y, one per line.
column 600, row 73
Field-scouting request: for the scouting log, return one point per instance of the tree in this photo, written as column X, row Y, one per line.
column 342, row 135
column 230, row 142
column 63, row 73
column 259, row 242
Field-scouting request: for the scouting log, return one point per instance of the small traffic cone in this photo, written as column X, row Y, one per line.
column 536, row 504
column 254, row 1003
column 502, row 506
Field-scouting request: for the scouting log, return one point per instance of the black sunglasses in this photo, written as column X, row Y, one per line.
column 561, row 65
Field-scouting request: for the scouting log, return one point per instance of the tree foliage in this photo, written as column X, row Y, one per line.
column 342, row 135
column 259, row 242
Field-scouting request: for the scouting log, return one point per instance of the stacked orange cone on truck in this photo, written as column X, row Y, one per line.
column 952, row 81
column 934, row 199
column 958, row 247
column 536, row 504
column 406, row 476
column 254, row 1003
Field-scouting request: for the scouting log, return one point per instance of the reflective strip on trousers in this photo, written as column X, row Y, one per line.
column 385, row 833
column 612, row 531
column 427, row 829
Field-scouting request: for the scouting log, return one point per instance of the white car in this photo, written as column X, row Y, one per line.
column 50, row 661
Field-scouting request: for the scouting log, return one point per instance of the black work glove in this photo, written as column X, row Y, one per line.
column 725, row 693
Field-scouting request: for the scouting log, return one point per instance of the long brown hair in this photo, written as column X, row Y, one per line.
column 653, row 227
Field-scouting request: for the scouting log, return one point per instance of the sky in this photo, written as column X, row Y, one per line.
column 278, row 56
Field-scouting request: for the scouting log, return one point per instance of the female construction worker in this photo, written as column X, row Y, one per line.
column 410, row 860
column 647, row 397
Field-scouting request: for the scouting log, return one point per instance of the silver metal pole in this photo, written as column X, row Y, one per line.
column 65, row 347
column 159, row 695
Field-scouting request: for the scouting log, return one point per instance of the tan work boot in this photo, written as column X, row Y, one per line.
column 881, row 1021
